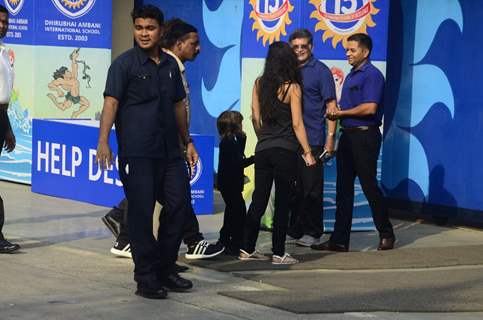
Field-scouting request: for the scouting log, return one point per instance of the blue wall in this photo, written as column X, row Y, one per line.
column 433, row 125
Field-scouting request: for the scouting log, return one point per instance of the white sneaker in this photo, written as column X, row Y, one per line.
column 255, row 255
column 307, row 241
column 122, row 250
column 286, row 259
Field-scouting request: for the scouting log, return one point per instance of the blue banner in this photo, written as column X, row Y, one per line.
column 74, row 23
column 63, row 165
column 21, row 21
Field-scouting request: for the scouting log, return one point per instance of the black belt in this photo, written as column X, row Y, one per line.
column 358, row 128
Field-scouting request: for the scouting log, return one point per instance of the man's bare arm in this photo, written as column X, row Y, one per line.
column 108, row 116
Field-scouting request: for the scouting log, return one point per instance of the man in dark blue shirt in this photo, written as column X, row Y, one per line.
column 318, row 94
column 360, row 114
column 144, row 95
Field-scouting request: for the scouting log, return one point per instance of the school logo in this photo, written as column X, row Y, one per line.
column 74, row 8
column 14, row 6
column 270, row 19
column 196, row 172
column 338, row 19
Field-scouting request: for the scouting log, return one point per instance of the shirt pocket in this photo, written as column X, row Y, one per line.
column 355, row 95
column 143, row 87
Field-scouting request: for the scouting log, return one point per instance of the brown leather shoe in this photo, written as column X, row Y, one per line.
column 329, row 246
column 386, row 243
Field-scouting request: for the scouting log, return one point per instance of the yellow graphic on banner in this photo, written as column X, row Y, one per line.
column 73, row 4
column 14, row 2
column 341, row 18
column 271, row 20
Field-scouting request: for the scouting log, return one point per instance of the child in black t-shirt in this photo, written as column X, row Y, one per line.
column 230, row 180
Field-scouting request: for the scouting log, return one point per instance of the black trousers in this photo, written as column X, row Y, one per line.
column 191, row 228
column 272, row 165
column 2, row 208
column 145, row 181
column 2, row 217
column 357, row 157
column 231, row 233
column 307, row 212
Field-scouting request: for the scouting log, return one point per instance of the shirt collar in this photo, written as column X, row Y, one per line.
column 180, row 64
column 363, row 67
column 310, row 62
column 144, row 58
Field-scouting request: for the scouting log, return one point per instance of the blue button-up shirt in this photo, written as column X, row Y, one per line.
column 145, row 121
column 364, row 85
column 318, row 89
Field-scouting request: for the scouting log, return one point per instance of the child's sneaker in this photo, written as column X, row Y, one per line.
column 286, row 259
column 254, row 256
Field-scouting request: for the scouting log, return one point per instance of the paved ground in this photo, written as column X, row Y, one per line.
column 65, row 271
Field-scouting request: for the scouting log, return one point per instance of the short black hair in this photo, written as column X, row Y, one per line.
column 148, row 12
column 175, row 29
column 4, row 10
column 301, row 34
column 363, row 40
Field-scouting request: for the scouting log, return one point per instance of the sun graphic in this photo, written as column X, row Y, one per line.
column 280, row 15
column 362, row 18
column 74, row 4
column 14, row 2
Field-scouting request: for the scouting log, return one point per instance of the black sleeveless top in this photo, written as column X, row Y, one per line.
column 278, row 131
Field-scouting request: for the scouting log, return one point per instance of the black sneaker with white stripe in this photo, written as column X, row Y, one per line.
column 122, row 249
column 204, row 250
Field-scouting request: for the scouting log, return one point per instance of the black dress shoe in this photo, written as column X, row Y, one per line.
column 386, row 243
column 151, row 293
column 8, row 247
column 329, row 246
column 176, row 283
column 180, row 269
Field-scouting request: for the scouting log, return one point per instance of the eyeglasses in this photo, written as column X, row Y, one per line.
column 300, row 46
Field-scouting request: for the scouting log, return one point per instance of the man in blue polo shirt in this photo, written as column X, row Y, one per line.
column 144, row 95
column 360, row 114
column 318, row 94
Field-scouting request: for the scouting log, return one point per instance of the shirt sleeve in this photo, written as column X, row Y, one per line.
column 327, row 85
column 179, row 91
column 373, row 89
column 117, row 81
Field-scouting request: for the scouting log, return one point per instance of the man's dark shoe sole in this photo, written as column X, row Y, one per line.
column 386, row 244
column 160, row 294
column 180, row 269
column 328, row 246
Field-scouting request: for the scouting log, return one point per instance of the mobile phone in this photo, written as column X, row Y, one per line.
column 325, row 156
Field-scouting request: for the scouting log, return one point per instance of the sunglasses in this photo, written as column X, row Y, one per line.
column 300, row 46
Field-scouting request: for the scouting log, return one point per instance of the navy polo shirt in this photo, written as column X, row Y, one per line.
column 318, row 88
column 145, row 121
column 363, row 86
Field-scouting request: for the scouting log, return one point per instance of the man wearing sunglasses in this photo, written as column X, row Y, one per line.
column 318, row 95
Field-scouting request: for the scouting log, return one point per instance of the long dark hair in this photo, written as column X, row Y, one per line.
column 281, row 67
